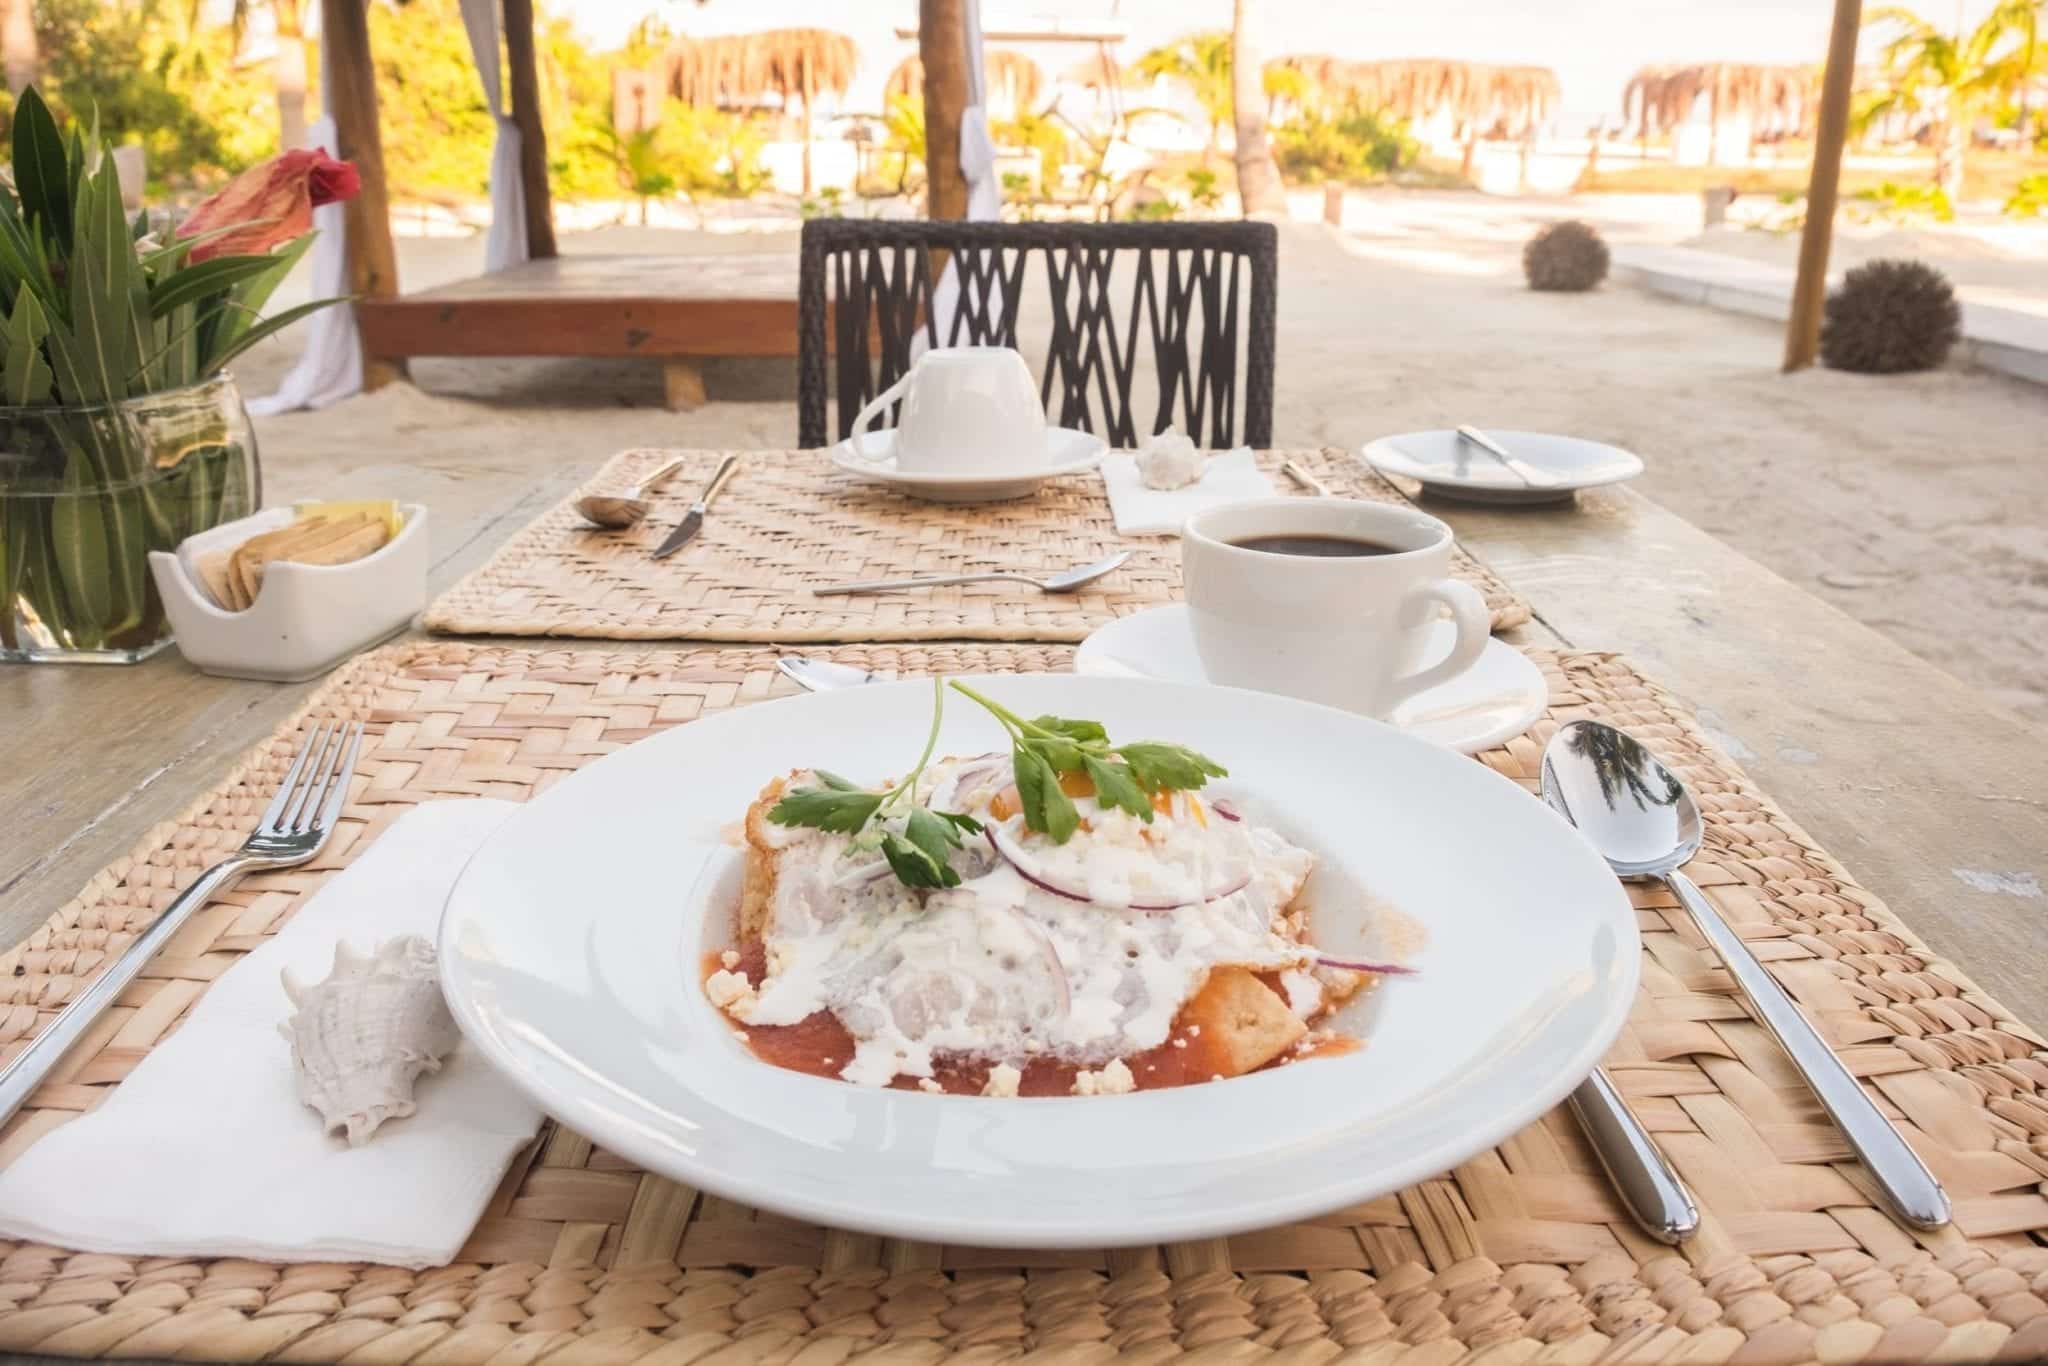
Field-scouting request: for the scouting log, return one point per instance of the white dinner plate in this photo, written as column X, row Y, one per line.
column 572, row 950
column 1066, row 452
column 1448, row 465
column 1496, row 699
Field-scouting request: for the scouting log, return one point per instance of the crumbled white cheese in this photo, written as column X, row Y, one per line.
column 730, row 958
column 1169, row 460
column 1002, row 1080
column 740, row 1034
column 1114, row 1079
column 930, row 1087
column 727, row 989
column 1304, row 994
column 1000, row 968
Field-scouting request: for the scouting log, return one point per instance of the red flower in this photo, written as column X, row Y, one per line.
column 268, row 205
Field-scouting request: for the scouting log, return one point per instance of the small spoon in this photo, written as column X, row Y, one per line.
column 1064, row 582
column 617, row 511
column 1642, row 820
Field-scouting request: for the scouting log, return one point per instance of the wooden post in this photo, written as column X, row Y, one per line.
column 351, row 99
column 533, row 136
column 942, row 48
column 1810, row 288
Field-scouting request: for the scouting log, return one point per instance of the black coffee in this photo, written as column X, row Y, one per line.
column 1323, row 547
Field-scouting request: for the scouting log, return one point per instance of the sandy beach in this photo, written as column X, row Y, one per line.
column 1917, row 504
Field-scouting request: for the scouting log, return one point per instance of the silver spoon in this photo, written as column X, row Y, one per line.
column 617, row 511
column 1643, row 821
column 1064, row 582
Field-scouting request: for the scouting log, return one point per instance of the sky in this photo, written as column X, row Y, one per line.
column 1593, row 45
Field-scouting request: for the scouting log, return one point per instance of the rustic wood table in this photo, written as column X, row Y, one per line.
column 678, row 310
column 1933, row 796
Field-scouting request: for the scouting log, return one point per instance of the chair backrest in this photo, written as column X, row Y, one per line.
column 1177, row 305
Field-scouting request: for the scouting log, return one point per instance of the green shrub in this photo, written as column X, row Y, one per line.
column 2030, row 197
column 1356, row 146
column 1894, row 203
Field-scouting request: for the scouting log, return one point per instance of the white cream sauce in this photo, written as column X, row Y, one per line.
column 999, row 968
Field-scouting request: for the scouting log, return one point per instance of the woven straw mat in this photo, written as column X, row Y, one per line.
column 789, row 522
column 1520, row 1255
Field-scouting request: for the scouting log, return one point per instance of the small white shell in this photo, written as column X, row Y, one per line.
column 1169, row 460
column 364, row 1033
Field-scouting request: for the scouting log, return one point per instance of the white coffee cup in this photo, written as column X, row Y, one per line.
column 966, row 410
column 1348, row 631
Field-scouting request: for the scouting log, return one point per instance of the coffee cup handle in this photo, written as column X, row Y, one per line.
column 1475, row 628
column 857, row 439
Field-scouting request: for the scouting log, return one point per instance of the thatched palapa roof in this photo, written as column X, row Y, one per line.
column 1013, row 80
column 742, row 68
column 1658, row 99
column 1505, row 100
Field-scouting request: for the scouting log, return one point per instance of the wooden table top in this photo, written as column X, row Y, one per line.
column 1926, row 790
column 765, row 275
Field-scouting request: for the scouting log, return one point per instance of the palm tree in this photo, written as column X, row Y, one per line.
column 1950, row 79
column 1201, row 62
column 1258, row 178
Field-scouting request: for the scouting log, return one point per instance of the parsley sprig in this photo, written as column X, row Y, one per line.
column 918, row 842
column 1124, row 776
column 919, row 850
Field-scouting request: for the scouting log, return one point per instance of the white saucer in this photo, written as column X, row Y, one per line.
column 1447, row 465
column 1494, row 700
column 1067, row 452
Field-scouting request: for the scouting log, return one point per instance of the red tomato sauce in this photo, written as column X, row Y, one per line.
column 821, row 1046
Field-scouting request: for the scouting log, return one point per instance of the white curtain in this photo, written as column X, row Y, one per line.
column 506, row 244
column 331, row 367
column 978, row 165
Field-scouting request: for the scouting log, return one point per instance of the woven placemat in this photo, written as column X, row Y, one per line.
column 1521, row 1254
column 790, row 522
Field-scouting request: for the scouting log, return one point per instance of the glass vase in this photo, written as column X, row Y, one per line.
column 86, row 493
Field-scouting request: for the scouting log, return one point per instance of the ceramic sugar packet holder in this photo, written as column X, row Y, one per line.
column 308, row 617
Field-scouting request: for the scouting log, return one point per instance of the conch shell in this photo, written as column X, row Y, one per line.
column 364, row 1033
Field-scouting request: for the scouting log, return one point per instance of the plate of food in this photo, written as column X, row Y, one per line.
column 1040, row 960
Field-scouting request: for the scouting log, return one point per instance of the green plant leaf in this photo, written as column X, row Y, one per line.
column 106, row 333
column 193, row 283
column 41, row 173
column 26, row 376
column 78, row 540
column 276, row 322
column 244, row 306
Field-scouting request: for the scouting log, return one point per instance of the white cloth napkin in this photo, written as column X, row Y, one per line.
column 205, row 1150
column 1231, row 477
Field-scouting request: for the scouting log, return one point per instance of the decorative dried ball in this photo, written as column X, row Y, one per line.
column 1890, row 316
column 1567, row 255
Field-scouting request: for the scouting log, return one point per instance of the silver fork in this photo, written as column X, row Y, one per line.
column 294, row 827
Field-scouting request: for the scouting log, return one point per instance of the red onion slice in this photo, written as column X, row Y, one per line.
column 1222, row 807
column 1361, row 965
column 1001, row 841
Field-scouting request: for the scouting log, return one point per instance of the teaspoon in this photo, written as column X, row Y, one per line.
column 1065, row 581
column 1639, row 816
column 617, row 511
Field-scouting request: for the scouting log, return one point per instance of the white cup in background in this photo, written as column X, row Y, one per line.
column 1347, row 631
column 966, row 410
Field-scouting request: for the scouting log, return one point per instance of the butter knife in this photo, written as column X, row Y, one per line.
column 693, row 520
column 1521, row 469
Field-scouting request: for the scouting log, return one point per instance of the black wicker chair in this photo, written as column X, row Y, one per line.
column 1186, row 287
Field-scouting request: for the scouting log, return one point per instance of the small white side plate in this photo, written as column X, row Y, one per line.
column 1067, row 452
column 1494, row 700
column 1448, row 465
